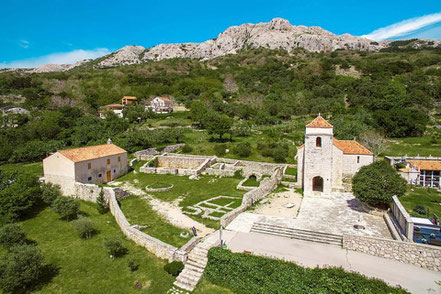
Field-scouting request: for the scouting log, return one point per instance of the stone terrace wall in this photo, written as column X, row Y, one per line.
column 90, row 192
column 266, row 187
column 180, row 162
column 426, row 256
column 402, row 219
column 155, row 246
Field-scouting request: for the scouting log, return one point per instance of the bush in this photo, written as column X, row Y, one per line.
column 220, row 149
column 174, row 268
column 50, row 192
column 67, row 208
column 421, row 209
column 376, row 183
column 103, row 206
column 187, row 148
column 133, row 265
column 114, row 247
column 243, row 149
column 12, row 234
column 20, row 268
column 251, row 274
column 84, row 226
column 238, row 174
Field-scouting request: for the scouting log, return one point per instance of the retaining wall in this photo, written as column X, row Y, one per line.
column 266, row 187
column 402, row 219
column 91, row 192
column 426, row 256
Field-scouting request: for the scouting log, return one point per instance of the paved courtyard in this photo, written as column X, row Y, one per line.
column 336, row 213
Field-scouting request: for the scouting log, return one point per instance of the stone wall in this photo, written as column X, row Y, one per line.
column 426, row 256
column 266, row 187
column 180, row 162
column 401, row 219
column 90, row 192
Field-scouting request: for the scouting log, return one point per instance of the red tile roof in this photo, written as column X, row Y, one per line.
column 426, row 164
column 92, row 152
column 351, row 147
column 130, row 98
column 319, row 122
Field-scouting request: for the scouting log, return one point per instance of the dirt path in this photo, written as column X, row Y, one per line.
column 275, row 204
column 170, row 211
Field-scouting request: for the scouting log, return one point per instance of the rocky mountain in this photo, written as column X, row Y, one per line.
column 276, row 34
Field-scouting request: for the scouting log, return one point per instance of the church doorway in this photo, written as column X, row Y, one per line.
column 317, row 184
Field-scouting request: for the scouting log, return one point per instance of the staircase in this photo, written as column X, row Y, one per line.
column 305, row 235
column 194, row 268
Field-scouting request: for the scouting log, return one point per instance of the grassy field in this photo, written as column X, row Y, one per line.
column 412, row 146
column 139, row 212
column 84, row 265
column 429, row 198
column 35, row 168
column 190, row 191
column 251, row 182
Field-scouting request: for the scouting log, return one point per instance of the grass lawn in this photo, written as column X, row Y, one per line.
column 139, row 212
column 251, row 182
column 224, row 201
column 429, row 198
column 84, row 265
column 191, row 191
column 291, row 171
column 159, row 185
column 35, row 168
column 412, row 146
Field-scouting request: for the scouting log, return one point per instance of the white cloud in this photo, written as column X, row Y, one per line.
column 56, row 58
column 404, row 27
column 24, row 44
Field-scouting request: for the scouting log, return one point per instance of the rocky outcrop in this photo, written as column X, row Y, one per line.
column 124, row 56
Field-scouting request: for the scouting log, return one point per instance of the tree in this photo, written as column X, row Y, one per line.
column 219, row 124
column 67, row 208
column 50, row 192
column 21, row 268
column 199, row 112
column 243, row 149
column 114, row 247
column 374, row 141
column 19, row 193
column 12, row 234
column 103, row 206
column 376, row 183
column 84, row 226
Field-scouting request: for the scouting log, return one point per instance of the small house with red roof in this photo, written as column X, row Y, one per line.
column 325, row 163
column 160, row 105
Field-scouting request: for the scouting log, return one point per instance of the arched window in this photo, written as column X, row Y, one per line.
column 318, row 142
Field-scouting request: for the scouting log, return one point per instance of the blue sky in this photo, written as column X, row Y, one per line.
column 59, row 31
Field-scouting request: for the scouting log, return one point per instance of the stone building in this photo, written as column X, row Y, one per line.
column 117, row 109
column 325, row 163
column 126, row 100
column 94, row 164
column 160, row 105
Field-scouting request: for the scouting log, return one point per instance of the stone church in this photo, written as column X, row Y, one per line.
column 325, row 163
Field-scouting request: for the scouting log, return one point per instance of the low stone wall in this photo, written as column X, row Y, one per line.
column 219, row 172
column 90, row 192
column 266, row 187
column 153, row 245
column 159, row 189
column 180, row 162
column 401, row 219
column 426, row 256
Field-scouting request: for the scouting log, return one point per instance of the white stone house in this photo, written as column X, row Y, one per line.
column 94, row 164
column 160, row 105
column 117, row 109
column 424, row 171
column 324, row 163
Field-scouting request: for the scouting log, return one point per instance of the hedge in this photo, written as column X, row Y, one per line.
column 254, row 274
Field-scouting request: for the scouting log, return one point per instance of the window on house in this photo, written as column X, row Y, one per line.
column 318, row 142
column 108, row 161
column 89, row 166
column 114, row 171
column 119, row 158
column 89, row 179
column 358, row 159
column 100, row 175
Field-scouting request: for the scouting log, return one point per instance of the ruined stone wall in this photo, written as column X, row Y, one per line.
column 90, row 192
column 180, row 162
column 426, row 256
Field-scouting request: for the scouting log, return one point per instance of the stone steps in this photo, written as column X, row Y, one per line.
column 194, row 267
column 299, row 234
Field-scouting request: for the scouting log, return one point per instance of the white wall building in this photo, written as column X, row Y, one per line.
column 93, row 164
column 160, row 105
column 325, row 163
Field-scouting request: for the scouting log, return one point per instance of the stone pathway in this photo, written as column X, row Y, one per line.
column 195, row 265
column 336, row 214
column 277, row 204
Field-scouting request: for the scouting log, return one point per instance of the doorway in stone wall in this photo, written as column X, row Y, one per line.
column 317, row 184
column 109, row 175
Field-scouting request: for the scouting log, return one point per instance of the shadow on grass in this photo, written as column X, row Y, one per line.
column 48, row 273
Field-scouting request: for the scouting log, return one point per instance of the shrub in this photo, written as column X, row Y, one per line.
column 238, row 174
column 84, row 226
column 174, row 268
column 103, row 206
column 243, row 149
column 67, row 208
column 376, row 183
column 50, row 192
column 133, row 265
column 21, row 268
column 12, row 234
column 220, row 150
column 421, row 209
column 114, row 247
column 280, row 153
column 187, row 148
column 244, row 273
